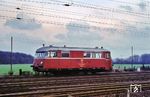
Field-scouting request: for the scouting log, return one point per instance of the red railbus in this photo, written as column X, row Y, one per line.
column 72, row 59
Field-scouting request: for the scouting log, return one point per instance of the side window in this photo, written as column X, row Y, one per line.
column 52, row 54
column 65, row 54
column 108, row 55
column 92, row 55
column 49, row 54
column 96, row 55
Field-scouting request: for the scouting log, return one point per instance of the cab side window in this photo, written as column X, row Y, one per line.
column 107, row 56
column 52, row 54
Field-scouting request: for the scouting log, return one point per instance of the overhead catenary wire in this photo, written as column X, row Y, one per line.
column 55, row 1
column 62, row 24
column 93, row 27
column 94, row 7
column 115, row 1
column 72, row 19
column 110, row 9
column 99, row 28
column 63, row 17
column 30, row 8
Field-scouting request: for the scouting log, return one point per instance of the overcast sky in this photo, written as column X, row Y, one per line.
column 114, row 24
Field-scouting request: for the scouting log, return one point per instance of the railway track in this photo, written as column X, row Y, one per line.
column 73, row 80
column 74, row 86
column 102, row 75
column 78, row 90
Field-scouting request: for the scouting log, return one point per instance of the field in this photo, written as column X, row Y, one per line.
column 4, row 69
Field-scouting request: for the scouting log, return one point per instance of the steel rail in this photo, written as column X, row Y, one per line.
column 78, row 90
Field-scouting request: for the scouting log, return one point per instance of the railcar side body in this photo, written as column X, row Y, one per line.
column 52, row 59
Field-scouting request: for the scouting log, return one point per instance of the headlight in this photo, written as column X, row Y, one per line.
column 41, row 62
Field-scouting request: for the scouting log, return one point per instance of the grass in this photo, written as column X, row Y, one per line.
column 122, row 66
column 4, row 69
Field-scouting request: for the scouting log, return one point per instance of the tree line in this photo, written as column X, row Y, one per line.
column 17, row 58
column 21, row 58
column 136, row 59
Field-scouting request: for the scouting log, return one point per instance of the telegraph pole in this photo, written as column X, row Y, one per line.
column 11, row 57
column 132, row 57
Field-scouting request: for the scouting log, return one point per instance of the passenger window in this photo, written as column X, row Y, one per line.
column 65, row 54
column 92, row 55
column 96, row 55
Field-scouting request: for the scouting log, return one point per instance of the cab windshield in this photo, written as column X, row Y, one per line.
column 41, row 54
column 49, row 54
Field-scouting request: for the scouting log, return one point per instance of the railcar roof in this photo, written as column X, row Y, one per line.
column 55, row 48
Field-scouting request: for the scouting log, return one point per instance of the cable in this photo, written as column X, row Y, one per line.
column 62, row 17
column 73, row 25
column 94, row 7
column 106, row 9
column 61, row 23
column 85, row 15
column 77, row 19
